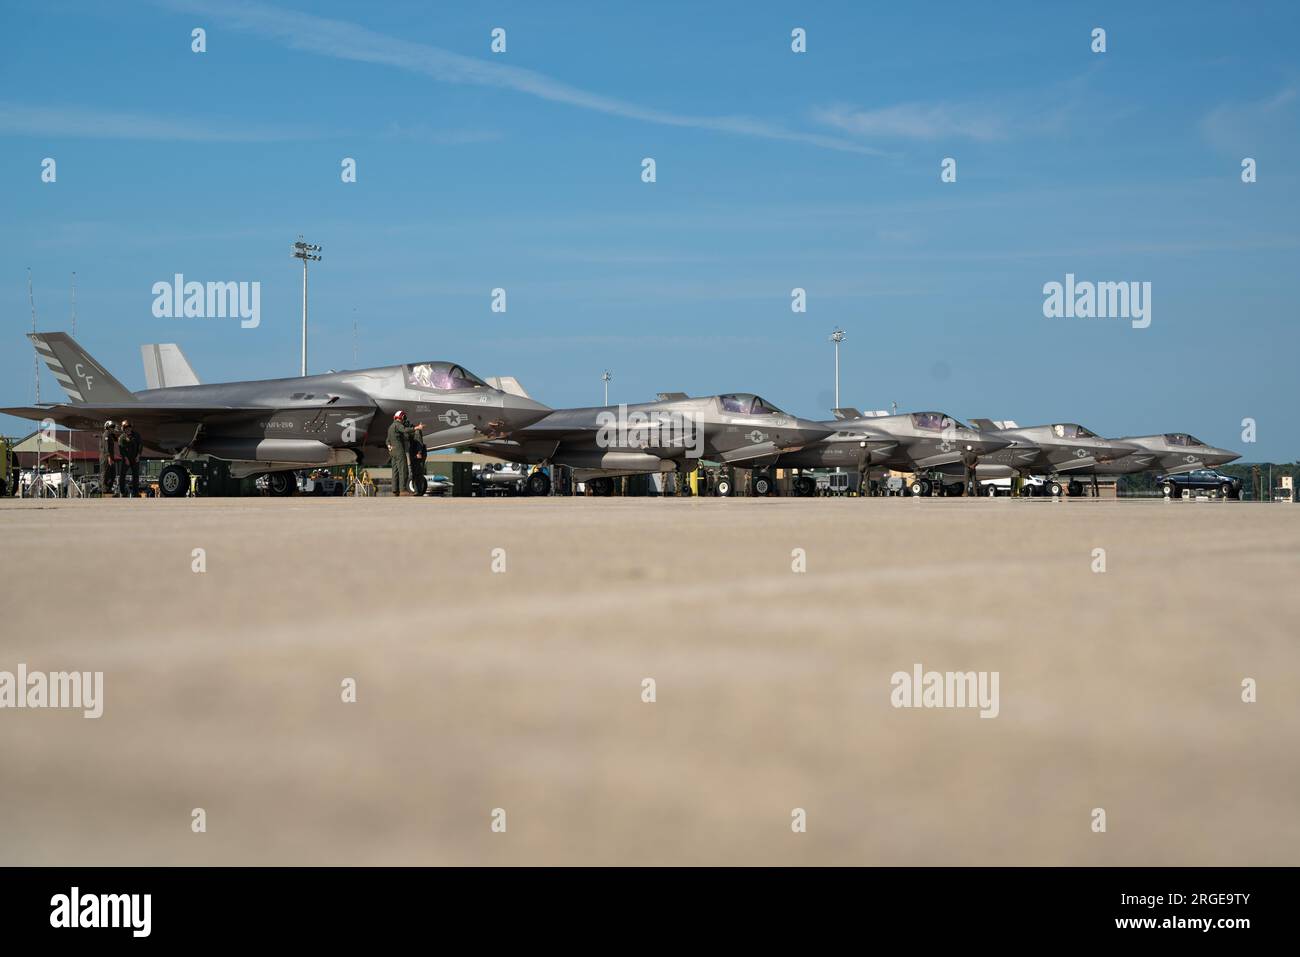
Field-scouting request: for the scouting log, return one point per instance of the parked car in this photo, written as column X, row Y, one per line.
column 1200, row 480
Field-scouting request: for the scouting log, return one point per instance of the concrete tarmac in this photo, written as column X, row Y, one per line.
column 521, row 688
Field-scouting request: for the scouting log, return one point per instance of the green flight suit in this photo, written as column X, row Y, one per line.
column 399, row 446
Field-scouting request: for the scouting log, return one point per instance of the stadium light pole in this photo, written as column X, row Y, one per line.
column 307, row 253
column 837, row 337
column 605, row 377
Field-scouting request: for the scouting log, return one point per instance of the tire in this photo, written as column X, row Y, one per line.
column 806, row 487
column 992, row 491
column 762, row 485
column 173, row 481
column 539, row 483
column 1027, row 490
column 1056, row 489
column 418, row 485
column 1076, row 490
column 317, row 488
column 1225, row 490
column 1170, row 490
column 281, row 484
column 723, row 488
column 916, row 488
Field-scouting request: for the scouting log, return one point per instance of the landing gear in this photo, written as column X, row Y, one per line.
column 763, row 484
column 1056, row 489
column 281, row 484
column 173, row 481
column 539, row 483
column 723, row 488
column 921, row 487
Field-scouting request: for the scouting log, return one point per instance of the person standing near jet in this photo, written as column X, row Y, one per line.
column 107, row 458
column 399, row 449
column 419, row 455
column 128, row 446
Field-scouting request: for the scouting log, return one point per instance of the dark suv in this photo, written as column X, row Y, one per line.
column 1200, row 480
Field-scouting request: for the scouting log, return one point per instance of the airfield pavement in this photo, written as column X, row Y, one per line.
column 522, row 689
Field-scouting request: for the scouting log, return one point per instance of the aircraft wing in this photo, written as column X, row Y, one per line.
column 86, row 415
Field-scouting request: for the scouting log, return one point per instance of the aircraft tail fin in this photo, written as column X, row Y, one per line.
column 165, row 366
column 848, row 412
column 82, row 378
column 508, row 384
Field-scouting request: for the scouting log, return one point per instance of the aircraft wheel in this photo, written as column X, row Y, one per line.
column 1057, row 489
column 419, row 484
column 173, row 481
column 916, row 488
column 762, row 485
column 1076, row 489
column 1169, row 489
column 723, row 488
column 281, row 484
column 539, row 483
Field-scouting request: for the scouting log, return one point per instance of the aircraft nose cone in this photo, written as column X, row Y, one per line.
column 990, row 444
column 521, row 412
column 811, row 431
column 1223, row 457
column 1116, row 450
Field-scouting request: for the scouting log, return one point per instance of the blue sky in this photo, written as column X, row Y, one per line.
column 775, row 170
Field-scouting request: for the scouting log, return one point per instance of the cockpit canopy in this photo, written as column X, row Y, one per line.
column 442, row 377
column 935, row 422
column 1070, row 430
column 1182, row 439
column 746, row 403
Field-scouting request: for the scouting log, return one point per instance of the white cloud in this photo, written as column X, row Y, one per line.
column 917, row 121
column 349, row 41
column 74, row 121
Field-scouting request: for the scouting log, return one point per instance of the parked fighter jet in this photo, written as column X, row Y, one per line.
column 1061, row 451
column 1171, row 453
column 668, row 435
column 276, row 426
column 921, row 442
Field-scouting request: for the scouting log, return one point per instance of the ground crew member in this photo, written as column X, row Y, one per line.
column 419, row 454
column 128, row 446
column 107, row 459
column 399, row 449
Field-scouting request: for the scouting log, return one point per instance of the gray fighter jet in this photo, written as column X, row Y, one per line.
column 276, row 426
column 1171, row 453
column 672, row 434
column 1062, row 451
column 921, row 442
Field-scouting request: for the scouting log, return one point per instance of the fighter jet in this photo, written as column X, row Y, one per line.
column 1062, row 451
column 276, row 426
column 922, row 442
column 1171, row 453
column 669, row 435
